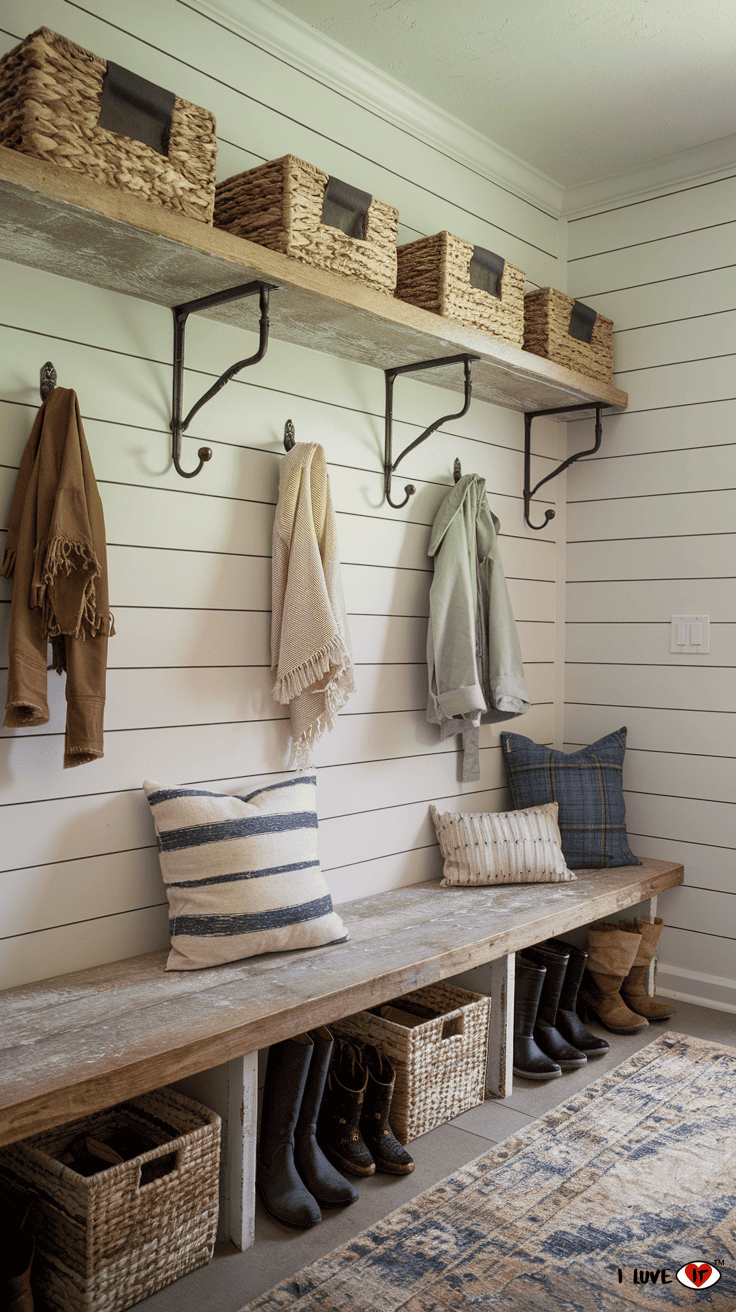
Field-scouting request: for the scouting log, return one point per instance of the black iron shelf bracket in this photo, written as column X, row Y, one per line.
column 529, row 491
column 389, row 464
column 181, row 314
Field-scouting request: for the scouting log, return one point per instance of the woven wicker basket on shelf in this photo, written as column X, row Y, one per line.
column 50, row 105
column 435, row 273
column 548, row 318
column 440, row 1063
column 280, row 205
column 105, row 1241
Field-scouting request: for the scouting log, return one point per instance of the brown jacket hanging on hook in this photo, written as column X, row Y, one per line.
column 56, row 555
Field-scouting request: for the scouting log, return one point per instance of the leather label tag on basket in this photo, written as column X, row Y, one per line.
column 486, row 271
column 582, row 322
column 346, row 208
column 135, row 108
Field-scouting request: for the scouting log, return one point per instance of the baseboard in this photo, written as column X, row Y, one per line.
column 692, row 986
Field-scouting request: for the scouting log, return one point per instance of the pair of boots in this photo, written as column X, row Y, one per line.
column 549, row 1037
column 354, row 1127
column 293, row 1176
column 613, row 990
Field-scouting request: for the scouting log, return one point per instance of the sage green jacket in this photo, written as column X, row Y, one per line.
column 476, row 675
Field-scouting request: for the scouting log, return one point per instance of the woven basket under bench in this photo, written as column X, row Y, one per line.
column 281, row 204
column 453, row 278
column 440, row 1063
column 53, row 94
column 562, row 329
column 105, row 1241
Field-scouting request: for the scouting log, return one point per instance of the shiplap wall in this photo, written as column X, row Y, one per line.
column 652, row 533
column 189, row 689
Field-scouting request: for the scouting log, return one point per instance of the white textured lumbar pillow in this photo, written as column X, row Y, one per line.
column 505, row 847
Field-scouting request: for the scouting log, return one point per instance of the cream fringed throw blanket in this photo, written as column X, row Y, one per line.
column 310, row 644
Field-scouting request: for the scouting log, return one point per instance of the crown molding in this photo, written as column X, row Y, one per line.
column 699, row 164
column 289, row 38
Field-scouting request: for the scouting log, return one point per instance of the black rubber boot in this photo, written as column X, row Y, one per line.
column 529, row 1060
column 280, row 1187
column 321, row 1179
column 379, row 1138
column 548, row 1038
column 567, row 1021
column 338, row 1126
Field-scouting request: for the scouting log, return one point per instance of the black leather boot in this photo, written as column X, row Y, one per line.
column 338, row 1126
column 321, row 1179
column 280, row 1187
column 529, row 1060
column 567, row 1021
column 379, row 1138
column 547, row 1037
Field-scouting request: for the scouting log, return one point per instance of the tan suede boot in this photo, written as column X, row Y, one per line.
column 611, row 954
column 634, row 989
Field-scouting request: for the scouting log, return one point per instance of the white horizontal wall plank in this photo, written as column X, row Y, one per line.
column 693, row 252
column 715, row 913
column 645, row 599
column 687, row 339
column 681, row 775
column 698, row 952
column 89, row 943
column 78, row 890
column 643, row 643
column 651, row 516
column 395, row 829
column 704, row 689
column 667, row 429
column 709, row 556
column 705, row 733
column 691, row 820
column 652, row 220
column 704, row 866
column 631, row 303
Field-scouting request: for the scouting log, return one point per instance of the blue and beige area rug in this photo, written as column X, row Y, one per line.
column 598, row 1205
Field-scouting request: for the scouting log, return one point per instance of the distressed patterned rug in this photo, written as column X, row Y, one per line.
column 622, row 1197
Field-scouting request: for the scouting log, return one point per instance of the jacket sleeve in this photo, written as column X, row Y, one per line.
column 505, row 680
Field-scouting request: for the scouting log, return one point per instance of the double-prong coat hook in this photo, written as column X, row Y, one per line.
column 181, row 314
column 389, row 465
column 529, row 491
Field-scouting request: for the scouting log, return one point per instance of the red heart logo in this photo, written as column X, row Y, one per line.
column 698, row 1274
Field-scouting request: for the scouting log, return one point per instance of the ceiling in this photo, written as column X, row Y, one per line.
column 579, row 89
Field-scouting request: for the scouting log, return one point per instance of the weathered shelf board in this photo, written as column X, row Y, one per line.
column 80, row 1042
column 55, row 219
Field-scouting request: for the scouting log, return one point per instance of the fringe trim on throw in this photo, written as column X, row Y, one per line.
column 305, row 676
column 336, row 695
column 61, row 555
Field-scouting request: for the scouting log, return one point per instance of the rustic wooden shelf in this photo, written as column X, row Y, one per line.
column 55, row 219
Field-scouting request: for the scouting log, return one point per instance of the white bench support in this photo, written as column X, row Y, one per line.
column 231, row 1090
column 499, row 1072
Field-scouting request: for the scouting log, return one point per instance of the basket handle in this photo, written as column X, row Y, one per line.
column 157, row 1168
column 453, row 1024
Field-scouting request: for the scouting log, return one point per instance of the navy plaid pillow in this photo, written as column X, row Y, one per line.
column 587, row 787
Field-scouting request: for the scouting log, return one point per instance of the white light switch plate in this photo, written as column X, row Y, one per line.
column 690, row 634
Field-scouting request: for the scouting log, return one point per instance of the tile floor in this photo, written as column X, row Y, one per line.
column 232, row 1279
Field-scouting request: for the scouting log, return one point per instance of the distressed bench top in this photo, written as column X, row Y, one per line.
column 80, row 1042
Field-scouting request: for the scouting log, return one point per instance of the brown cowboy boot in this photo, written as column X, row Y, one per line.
column 611, row 954
column 634, row 989
column 380, row 1139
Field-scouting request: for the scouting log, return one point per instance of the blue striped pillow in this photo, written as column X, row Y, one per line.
column 242, row 872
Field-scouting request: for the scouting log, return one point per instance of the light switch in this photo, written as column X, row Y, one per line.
column 690, row 635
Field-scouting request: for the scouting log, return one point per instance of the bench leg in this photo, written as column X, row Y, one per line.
column 649, row 913
column 231, row 1090
column 499, row 1072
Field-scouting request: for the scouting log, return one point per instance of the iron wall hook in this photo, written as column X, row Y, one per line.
column 389, row 465
column 48, row 379
column 181, row 314
column 529, row 491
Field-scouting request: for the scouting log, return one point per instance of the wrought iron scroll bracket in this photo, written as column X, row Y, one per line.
column 389, row 464
column 181, row 314
column 530, row 491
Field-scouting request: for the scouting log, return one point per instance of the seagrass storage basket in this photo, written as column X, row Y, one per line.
column 281, row 205
column 453, row 278
column 54, row 95
column 440, row 1062
column 562, row 329
column 105, row 1241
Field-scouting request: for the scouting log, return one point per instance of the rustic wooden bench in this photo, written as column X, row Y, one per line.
column 81, row 1042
